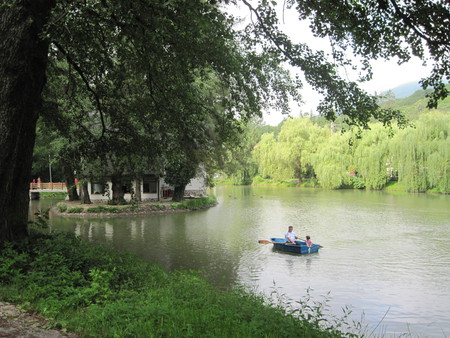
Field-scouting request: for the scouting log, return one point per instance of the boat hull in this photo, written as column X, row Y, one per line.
column 299, row 248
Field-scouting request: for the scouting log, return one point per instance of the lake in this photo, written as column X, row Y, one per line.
column 385, row 255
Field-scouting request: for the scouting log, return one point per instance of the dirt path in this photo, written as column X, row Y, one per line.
column 15, row 323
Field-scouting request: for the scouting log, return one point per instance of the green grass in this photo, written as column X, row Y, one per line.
column 62, row 207
column 103, row 208
column 97, row 292
column 53, row 195
column 75, row 210
column 394, row 186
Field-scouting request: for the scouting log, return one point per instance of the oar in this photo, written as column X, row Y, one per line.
column 264, row 241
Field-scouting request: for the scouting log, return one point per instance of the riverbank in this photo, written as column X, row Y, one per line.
column 91, row 290
column 78, row 210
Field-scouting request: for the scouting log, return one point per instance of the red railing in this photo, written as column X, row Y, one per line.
column 48, row 185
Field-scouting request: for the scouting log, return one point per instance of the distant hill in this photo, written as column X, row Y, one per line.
column 415, row 104
column 406, row 89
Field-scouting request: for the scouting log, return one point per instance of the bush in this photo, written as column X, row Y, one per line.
column 158, row 207
column 358, row 182
column 75, row 210
column 195, row 203
column 259, row 180
column 102, row 208
column 62, row 207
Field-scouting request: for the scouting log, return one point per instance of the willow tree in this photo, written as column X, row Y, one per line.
column 421, row 154
column 298, row 140
column 264, row 154
column 437, row 126
column 333, row 161
column 372, row 157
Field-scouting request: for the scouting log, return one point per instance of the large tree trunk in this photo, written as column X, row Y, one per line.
column 178, row 194
column 138, row 192
column 23, row 62
column 85, row 199
column 117, row 190
column 69, row 179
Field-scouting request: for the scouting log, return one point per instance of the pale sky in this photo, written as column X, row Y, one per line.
column 386, row 74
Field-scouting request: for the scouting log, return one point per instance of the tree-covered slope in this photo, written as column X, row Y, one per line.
column 415, row 105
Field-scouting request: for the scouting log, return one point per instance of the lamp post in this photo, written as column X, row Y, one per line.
column 50, row 167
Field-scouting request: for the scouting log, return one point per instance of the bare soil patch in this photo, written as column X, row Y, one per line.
column 16, row 323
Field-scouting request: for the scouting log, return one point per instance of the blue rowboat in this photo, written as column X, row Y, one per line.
column 299, row 248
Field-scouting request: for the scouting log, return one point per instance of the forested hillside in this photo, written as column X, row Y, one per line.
column 414, row 105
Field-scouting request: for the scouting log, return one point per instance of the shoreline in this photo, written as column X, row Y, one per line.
column 299, row 186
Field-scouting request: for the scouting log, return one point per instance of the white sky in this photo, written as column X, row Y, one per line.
column 386, row 74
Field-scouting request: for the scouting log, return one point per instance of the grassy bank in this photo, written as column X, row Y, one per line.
column 60, row 195
column 136, row 208
column 94, row 291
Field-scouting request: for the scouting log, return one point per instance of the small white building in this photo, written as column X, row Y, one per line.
column 152, row 188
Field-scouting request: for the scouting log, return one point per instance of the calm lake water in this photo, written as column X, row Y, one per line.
column 385, row 255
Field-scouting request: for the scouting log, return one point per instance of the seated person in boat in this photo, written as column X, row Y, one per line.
column 290, row 236
column 308, row 241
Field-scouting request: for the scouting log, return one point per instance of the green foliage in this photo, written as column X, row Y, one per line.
column 372, row 157
column 158, row 206
column 358, row 183
column 94, row 291
column 333, row 161
column 195, row 203
column 422, row 154
column 52, row 195
column 415, row 105
column 41, row 221
column 75, row 210
column 62, row 207
column 418, row 157
column 102, row 208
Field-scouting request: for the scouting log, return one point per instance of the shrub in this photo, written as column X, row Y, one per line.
column 102, row 208
column 75, row 210
column 62, row 207
column 358, row 182
column 195, row 203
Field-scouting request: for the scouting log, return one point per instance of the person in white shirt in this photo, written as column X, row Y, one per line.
column 290, row 236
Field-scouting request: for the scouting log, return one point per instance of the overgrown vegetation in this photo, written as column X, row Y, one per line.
column 94, row 291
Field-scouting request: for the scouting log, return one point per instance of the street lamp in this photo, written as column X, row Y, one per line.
column 50, row 167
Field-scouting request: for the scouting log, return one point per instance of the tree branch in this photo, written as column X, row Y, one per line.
column 86, row 82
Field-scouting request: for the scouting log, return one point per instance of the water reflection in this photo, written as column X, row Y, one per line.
column 383, row 252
